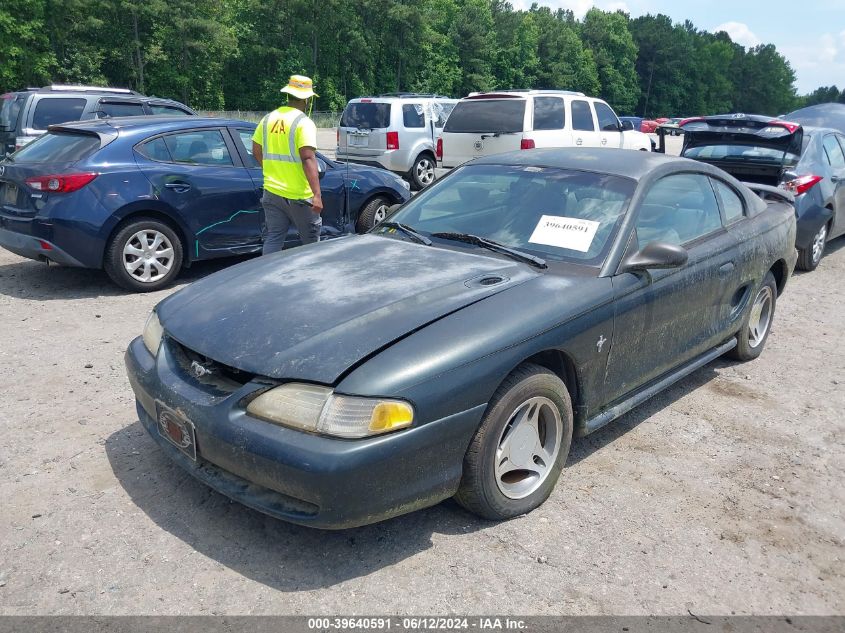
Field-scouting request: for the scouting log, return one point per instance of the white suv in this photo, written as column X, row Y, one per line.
column 494, row 122
column 394, row 131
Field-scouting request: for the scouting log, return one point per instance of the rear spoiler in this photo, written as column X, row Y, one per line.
column 767, row 193
column 106, row 133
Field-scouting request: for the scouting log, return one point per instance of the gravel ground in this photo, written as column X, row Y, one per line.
column 722, row 495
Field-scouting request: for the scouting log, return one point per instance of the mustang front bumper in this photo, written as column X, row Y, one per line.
column 289, row 474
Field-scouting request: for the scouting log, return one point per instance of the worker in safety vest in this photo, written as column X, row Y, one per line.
column 284, row 145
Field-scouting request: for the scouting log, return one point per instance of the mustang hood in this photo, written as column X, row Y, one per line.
column 313, row 312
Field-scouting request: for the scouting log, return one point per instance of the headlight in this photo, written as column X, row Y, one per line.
column 320, row 410
column 153, row 333
column 405, row 184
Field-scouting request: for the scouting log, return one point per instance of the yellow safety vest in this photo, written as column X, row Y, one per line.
column 281, row 134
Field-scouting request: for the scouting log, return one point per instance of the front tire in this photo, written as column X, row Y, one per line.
column 372, row 213
column 758, row 322
column 144, row 255
column 422, row 173
column 809, row 258
column 515, row 458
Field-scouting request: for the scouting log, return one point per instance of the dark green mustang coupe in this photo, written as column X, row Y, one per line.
column 457, row 348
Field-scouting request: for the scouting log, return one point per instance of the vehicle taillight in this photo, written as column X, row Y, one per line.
column 393, row 140
column 683, row 122
column 526, row 143
column 439, row 150
column 801, row 184
column 60, row 183
column 338, row 136
column 789, row 126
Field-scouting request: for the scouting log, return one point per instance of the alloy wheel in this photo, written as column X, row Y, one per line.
column 818, row 243
column 528, row 447
column 425, row 172
column 760, row 317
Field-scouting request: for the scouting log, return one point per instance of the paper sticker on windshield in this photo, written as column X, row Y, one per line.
column 571, row 233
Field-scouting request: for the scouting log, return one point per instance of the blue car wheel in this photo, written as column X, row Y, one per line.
column 144, row 255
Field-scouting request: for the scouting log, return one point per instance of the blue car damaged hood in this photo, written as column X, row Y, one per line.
column 313, row 312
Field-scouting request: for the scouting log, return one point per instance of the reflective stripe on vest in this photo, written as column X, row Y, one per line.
column 293, row 157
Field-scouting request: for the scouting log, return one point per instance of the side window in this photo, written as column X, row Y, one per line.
column 169, row 110
column 246, row 138
column 200, row 147
column 413, row 115
column 833, row 152
column 678, row 209
column 51, row 111
column 582, row 116
column 155, row 150
column 549, row 113
column 109, row 109
column 607, row 118
column 731, row 202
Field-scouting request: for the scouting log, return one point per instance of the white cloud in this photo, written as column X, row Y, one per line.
column 821, row 63
column 740, row 33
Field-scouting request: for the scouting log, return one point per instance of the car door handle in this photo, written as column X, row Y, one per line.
column 726, row 269
column 178, row 186
column 604, row 141
column 578, row 141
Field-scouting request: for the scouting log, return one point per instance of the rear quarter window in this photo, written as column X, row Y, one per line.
column 366, row 116
column 494, row 115
column 59, row 110
column 582, row 116
column 120, row 109
column 413, row 115
column 58, row 148
column 170, row 110
column 549, row 113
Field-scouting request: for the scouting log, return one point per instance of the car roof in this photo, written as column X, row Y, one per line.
column 626, row 163
column 153, row 123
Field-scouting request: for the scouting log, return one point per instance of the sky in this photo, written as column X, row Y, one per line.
column 810, row 34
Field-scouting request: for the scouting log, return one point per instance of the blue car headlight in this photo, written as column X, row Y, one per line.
column 153, row 333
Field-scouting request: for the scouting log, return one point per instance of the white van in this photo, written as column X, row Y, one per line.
column 395, row 131
column 494, row 122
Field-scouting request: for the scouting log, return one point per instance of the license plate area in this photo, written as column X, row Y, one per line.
column 359, row 140
column 177, row 429
column 10, row 193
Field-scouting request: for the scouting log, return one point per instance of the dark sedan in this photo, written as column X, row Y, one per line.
column 808, row 161
column 533, row 296
column 142, row 197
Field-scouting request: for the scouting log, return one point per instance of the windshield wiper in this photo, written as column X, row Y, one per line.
column 483, row 242
column 407, row 230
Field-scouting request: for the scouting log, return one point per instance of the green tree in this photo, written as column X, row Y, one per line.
column 25, row 55
column 615, row 53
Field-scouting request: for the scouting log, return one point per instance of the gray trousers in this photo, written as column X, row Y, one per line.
column 279, row 212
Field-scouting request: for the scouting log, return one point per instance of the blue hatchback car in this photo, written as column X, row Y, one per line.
column 142, row 197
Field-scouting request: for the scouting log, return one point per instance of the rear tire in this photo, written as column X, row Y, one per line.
column 372, row 213
column 810, row 257
column 144, row 255
column 517, row 454
column 422, row 173
column 758, row 322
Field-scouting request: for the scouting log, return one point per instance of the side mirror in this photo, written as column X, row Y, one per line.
column 655, row 255
column 321, row 169
column 627, row 125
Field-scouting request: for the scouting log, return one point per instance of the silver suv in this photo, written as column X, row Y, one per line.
column 396, row 131
column 26, row 114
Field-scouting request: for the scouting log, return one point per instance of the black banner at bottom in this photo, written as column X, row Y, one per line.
column 422, row 623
